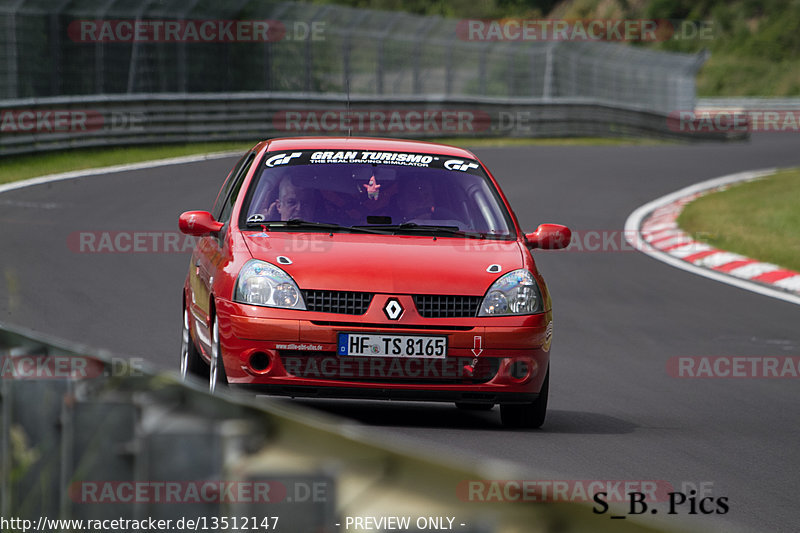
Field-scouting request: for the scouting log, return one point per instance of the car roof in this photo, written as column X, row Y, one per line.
column 366, row 143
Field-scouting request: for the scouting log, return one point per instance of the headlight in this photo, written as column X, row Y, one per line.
column 515, row 293
column 261, row 283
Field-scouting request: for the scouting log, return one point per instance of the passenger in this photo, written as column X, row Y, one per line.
column 416, row 200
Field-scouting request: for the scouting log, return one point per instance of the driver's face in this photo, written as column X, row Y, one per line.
column 296, row 202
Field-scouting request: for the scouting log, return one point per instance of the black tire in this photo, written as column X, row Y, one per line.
column 192, row 363
column 469, row 406
column 216, row 373
column 527, row 415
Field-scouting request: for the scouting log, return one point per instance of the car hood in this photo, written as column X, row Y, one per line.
column 396, row 264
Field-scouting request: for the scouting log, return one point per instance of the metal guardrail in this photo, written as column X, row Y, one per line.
column 36, row 125
column 85, row 436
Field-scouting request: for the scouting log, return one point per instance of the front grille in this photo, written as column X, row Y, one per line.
column 438, row 306
column 342, row 302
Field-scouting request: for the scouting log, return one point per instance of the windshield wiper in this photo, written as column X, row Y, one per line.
column 426, row 228
column 300, row 223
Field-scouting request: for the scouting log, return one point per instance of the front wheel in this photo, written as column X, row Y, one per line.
column 527, row 415
column 216, row 374
column 191, row 361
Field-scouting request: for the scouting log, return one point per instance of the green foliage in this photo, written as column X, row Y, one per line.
column 23, row 456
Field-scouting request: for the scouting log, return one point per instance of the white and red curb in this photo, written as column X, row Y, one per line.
column 653, row 229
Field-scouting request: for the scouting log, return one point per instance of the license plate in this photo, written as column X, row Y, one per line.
column 392, row 345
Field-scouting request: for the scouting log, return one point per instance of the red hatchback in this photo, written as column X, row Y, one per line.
column 369, row 268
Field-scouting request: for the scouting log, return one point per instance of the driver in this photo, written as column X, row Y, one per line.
column 294, row 201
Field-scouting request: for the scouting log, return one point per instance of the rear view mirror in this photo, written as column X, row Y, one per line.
column 549, row 237
column 198, row 223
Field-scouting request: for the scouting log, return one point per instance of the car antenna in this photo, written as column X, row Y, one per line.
column 347, row 89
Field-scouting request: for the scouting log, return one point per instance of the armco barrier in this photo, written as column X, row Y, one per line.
column 37, row 125
column 85, row 436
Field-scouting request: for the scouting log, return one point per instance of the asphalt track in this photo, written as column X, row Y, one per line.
column 614, row 413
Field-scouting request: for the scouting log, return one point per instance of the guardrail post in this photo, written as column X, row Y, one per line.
column 424, row 27
column 99, row 54
column 267, row 50
column 381, row 59
column 547, row 88
column 511, row 66
column 309, row 84
column 54, row 23
column 448, row 65
column 482, row 74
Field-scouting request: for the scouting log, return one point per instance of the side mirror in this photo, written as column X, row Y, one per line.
column 198, row 223
column 549, row 237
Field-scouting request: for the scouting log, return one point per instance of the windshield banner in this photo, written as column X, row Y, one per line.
column 312, row 157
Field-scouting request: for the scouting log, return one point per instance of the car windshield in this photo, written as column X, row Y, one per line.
column 401, row 192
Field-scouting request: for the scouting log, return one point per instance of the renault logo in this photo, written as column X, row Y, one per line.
column 393, row 310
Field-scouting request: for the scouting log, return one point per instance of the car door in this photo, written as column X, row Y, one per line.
column 209, row 255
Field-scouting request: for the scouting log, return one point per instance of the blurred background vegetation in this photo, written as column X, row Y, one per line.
column 754, row 44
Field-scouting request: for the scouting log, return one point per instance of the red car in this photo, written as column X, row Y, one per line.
column 369, row 268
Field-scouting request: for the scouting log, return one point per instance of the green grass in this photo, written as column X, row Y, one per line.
column 14, row 168
column 758, row 219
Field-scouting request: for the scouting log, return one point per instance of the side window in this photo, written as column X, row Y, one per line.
column 226, row 187
column 232, row 193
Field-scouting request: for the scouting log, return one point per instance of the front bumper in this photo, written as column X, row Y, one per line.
column 294, row 353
